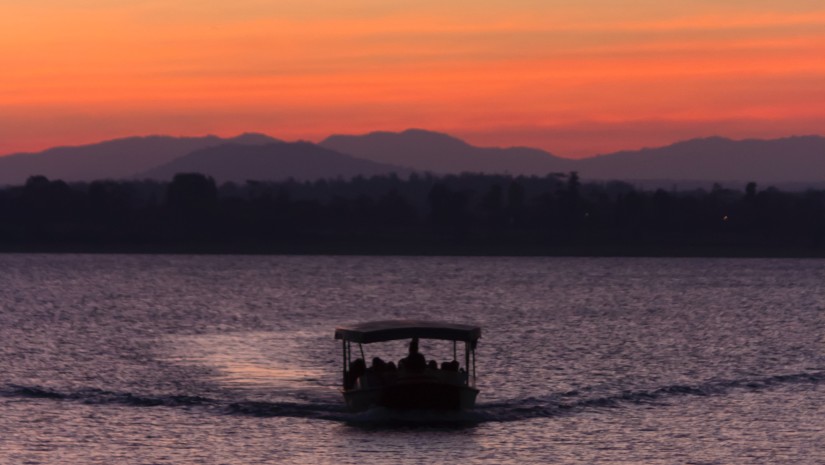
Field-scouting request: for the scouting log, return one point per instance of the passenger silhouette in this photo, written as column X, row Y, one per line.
column 356, row 368
column 378, row 365
column 449, row 366
column 414, row 361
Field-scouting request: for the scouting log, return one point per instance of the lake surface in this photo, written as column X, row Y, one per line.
column 141, row 359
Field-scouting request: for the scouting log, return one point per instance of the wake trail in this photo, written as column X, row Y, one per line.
column 550, row 405
column 572, row 401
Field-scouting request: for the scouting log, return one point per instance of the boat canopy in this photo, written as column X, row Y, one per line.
column 380, row 331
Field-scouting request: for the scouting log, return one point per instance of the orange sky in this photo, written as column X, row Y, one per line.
column 575, row 78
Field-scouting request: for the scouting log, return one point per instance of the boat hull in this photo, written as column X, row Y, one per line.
column 413, row 396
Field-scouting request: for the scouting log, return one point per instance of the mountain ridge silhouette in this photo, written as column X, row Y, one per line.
column 302, row 161
column 782, row 160
column 793, row 159
column 110, row 159
column 442, row 153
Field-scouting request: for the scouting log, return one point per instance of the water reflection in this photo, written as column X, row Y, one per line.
column 255, row 360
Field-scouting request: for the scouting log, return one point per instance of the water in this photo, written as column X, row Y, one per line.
column 230, row 359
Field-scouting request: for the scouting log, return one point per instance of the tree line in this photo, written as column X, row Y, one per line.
column 469, row 213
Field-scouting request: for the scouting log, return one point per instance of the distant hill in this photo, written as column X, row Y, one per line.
column 798, row 159
column 440, row 153
column 114, row 159
column 299, row 160
column 792, row 161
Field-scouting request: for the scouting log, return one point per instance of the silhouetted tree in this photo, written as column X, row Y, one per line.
column 192, row 198
column 448, row 210
column 492, row 207
column 515, row 203
column 750, row 192
column 192, row 194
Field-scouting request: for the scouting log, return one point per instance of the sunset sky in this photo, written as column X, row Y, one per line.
column 573, row 77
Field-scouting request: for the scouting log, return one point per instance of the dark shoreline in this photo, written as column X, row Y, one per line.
column 699, row 251
column 468, row 215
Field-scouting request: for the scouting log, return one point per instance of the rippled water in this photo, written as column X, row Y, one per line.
column 230, row 359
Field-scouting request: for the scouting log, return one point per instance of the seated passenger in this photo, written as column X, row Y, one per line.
column 416, row 362
column 356, row 369
column 432, row 365
column 450, row 366
column 358, row 365
column 378, row 365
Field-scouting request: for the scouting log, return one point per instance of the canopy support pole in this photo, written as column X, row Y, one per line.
column 467, row 360
column 474, row 367
column 344, row 348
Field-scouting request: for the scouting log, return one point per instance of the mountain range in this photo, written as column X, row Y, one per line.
column 431, row 151
column 798, row 159
column 301, row 161
column 113, row 159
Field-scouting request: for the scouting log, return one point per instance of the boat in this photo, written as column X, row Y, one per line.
column 413, row 384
